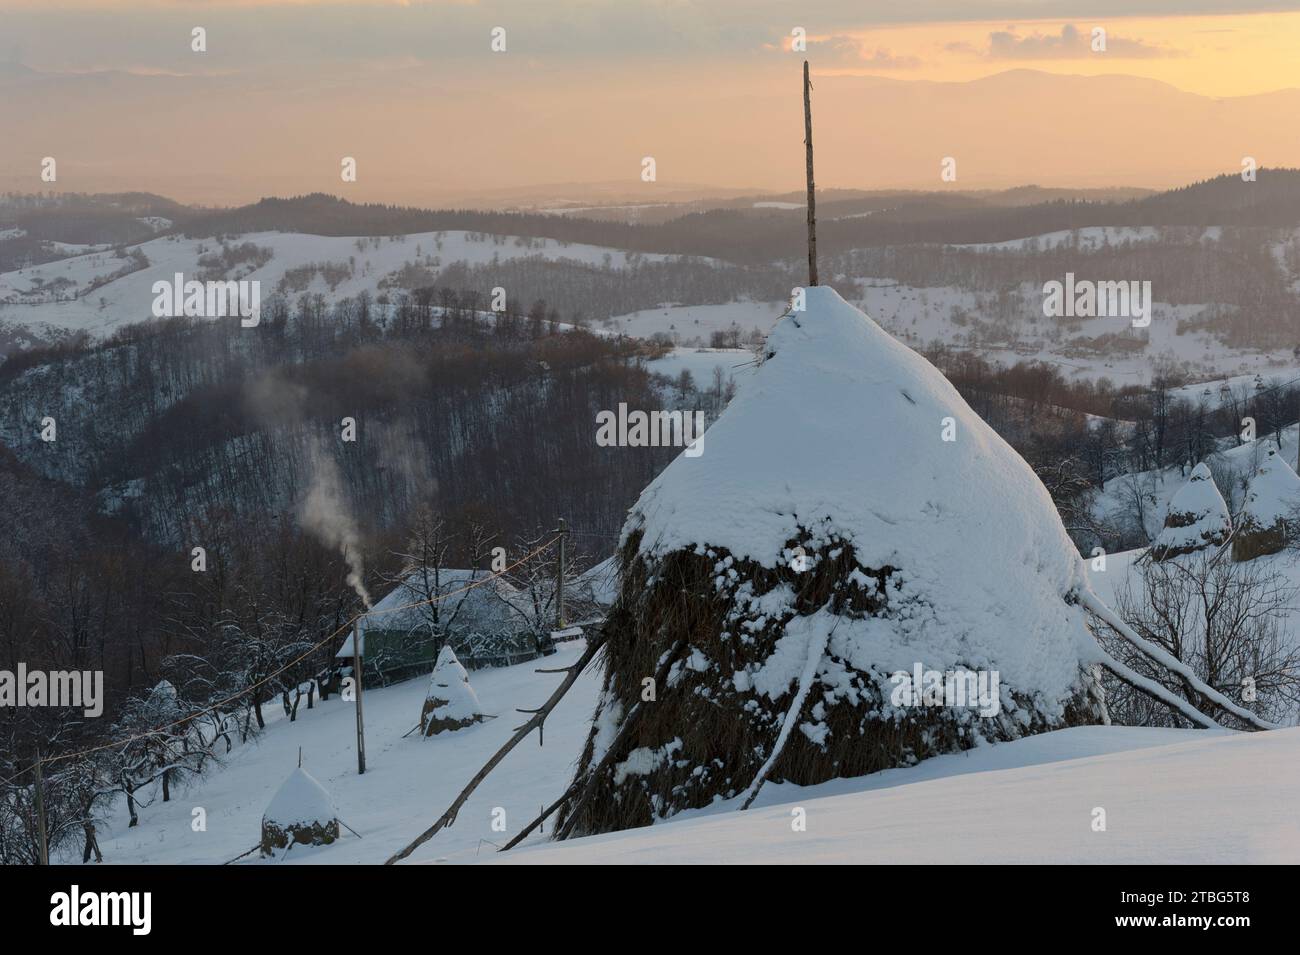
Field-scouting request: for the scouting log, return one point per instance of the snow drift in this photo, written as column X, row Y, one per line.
column 850, row 518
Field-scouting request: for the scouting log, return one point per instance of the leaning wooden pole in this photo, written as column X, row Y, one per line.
column 812, row 199
column 571, row 674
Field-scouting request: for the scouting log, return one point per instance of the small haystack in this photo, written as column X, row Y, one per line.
column 451, row 702
column 851, row 519
column 1198, row 518
column 1266, row 519
column 301, row 812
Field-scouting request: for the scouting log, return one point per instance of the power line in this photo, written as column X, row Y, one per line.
column 144, row 734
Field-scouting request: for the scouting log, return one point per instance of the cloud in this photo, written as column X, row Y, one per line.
column 1071, row 43
column 884, row 60
column 848, row 51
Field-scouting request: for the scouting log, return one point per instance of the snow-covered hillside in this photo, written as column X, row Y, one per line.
column 1174, row 796
column 1232, row 467
column 96, row 291
column 1170, row 795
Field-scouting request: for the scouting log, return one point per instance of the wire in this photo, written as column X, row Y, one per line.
column 143, row 734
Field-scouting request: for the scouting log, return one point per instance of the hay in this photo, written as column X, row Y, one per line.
column 307, row 834
column 1266, row 522
column 1198, row 518
column 300, row 813
column 704, row 738
column 1252, row 540
column 450, row 703
column 848, row 517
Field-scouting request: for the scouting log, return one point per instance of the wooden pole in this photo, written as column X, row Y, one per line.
column 356, row 675
column 40, row 812
column 559, row 576
column 812, row 199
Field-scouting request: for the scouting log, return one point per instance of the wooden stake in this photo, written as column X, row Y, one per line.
column 812, row 199
column 40, row 812
column 356, row 675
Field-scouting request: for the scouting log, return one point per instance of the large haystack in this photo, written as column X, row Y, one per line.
column 829, row 536
column 451, row 702
column 301, row 812
column 1198, row 518
column 1265, row 522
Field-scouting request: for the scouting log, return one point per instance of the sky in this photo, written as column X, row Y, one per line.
column 1014, row 91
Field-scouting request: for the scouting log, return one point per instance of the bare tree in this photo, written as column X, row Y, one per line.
column 1225, row 621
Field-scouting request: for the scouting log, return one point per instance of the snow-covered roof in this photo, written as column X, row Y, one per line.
column 1274, row 492
column 840, row 433
column 599, row 584
column 405, row 607
column 300, row 800
column 1197, row 515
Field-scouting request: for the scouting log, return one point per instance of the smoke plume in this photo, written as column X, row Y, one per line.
column 324, row 512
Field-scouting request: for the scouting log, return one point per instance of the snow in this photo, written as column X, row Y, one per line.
column 449, row 685
column 1158, row 487
column 485, row 605
column 736, row 364
column 1200, row 510
column 300, row 800
column 1274, row 492
column 689, row 323
column 407, row 784
column 600, row 583
column 1170, row 797
column 127, row 299
column 839, row 434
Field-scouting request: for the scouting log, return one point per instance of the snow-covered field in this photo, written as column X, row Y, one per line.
column 1173, row 796
column 689, row 322
column 1169, row 795
column 408, row 781
column 736, row 363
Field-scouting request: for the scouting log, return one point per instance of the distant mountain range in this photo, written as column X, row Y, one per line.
column 223, row 137
column 756, row 229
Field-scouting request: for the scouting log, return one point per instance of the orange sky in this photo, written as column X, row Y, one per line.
column 1226, row 55
column 587, row 88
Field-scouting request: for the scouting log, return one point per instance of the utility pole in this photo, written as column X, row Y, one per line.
column 356, row 675
column 812, row 200
column 40, row 811
column 559, row 575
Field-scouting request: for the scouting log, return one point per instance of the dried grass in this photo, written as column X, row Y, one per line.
column 727, row 734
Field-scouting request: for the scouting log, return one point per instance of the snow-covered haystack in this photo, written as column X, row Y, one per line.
column 1197, row 518
column 850, row 518
column 1271, row 499
column 300, row 812
column 451, row 702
